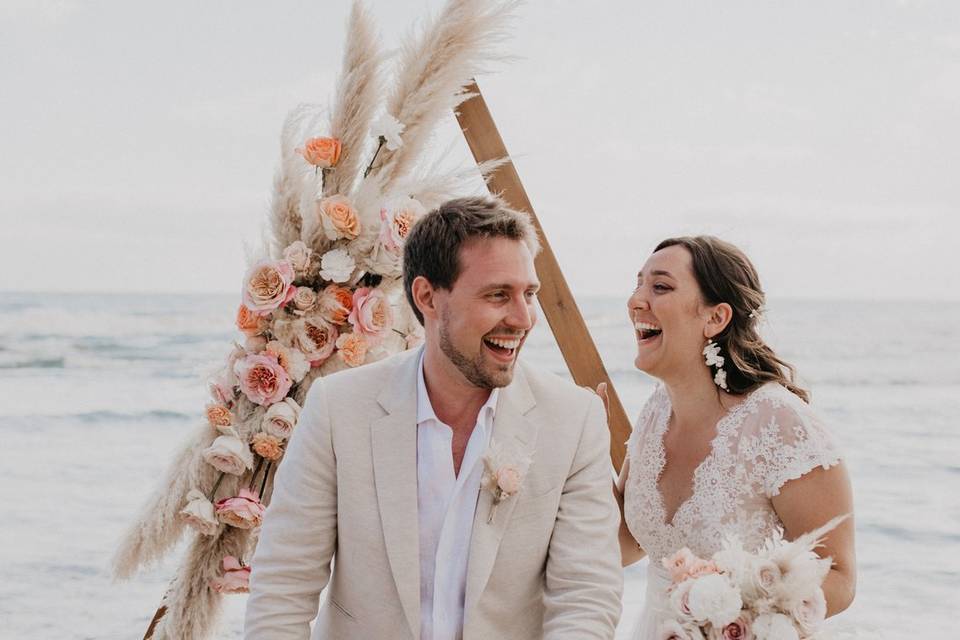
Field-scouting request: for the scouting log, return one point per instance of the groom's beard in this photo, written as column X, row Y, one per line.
column 473, row 370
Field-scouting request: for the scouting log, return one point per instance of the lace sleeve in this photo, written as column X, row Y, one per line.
column 788, row 441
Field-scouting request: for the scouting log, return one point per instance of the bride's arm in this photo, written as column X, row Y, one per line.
column 630, row 551
column 811, row 501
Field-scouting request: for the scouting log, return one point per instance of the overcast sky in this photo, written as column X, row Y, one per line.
column 138, row 139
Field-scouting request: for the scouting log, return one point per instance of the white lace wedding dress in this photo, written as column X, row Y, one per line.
column 769, row 438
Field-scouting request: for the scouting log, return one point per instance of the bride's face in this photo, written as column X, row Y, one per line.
column 669, row 319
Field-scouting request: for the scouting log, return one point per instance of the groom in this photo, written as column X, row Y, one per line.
column 384, row 475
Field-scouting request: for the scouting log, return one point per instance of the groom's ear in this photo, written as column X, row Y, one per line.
column 424, row 297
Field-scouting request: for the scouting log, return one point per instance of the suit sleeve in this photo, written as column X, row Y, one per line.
column 584, row 579
column 291, row 565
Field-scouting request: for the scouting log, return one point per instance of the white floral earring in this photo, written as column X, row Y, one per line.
column 713, row 358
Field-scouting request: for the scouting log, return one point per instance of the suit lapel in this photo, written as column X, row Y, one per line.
column 517, row 435
column 394, row 444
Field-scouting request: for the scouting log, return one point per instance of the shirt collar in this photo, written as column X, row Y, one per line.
column 425, row 410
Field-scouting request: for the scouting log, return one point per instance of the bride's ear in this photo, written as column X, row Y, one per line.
column 720, row 316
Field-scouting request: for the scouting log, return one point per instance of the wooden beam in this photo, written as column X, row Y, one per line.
column 559, row 307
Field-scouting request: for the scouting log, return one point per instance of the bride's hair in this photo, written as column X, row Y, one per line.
column 725, row 274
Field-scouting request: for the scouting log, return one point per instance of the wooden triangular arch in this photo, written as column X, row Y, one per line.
column 559, row 307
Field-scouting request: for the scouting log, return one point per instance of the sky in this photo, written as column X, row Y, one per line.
column 822, row 136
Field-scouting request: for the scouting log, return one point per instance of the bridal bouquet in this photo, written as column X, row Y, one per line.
column 772, row 594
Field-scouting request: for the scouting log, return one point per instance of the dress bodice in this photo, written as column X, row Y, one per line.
column 771, row 437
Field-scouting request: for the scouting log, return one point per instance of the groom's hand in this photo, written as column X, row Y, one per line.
column 602, row 392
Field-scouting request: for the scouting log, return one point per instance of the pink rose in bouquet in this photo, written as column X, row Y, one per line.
column 371, row 315
column 679, row 564
column 268, row 285
column 235, row 578
column 262, row 379
column 242, row 511
column 396, row 222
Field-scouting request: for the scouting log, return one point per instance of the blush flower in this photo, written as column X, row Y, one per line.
column 371, row 315
column 739, row 629
column 774, row 626
column 396, row 222
column 298, row 255
column 281, row 418
column 292, row 360
column 242, row 511
column 229, row 454
column 713, row 599
column 250, row 323
column 508, row 480
column 679, row 564
column 268, row 285
column 199, row 513
column 268, row 447
column 810, row 612
column 323, row 153
column 235, row 578
column 262, row 379
column 304, row 300
column 352, row 348
column 338, row 217
column 335, row 303
column 316, row 338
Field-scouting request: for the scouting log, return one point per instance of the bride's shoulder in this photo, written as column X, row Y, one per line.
column 774, row 408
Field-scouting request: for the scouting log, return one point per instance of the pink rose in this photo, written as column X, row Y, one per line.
column 371, row 315
column 739, row 629
column 298, row 255
column 679, row 564
column 396, row 222
column 702, row 568
column 242, row 511
column 508, row 480
column 268, row 285
column 235, row 578
column 262, row 379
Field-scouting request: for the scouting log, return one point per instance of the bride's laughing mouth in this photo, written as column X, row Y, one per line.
column 647, row 333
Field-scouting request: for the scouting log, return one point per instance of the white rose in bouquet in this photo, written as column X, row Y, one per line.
column 281, row 418
column 714, row 599
column 774, row 626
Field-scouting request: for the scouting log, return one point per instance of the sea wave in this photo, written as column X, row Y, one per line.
column 35, row 363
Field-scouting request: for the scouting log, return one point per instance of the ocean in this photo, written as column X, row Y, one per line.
column 98, row 390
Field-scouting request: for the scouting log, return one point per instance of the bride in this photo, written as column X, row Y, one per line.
column 727, row 443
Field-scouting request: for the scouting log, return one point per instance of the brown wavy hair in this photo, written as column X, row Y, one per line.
column 725, row 274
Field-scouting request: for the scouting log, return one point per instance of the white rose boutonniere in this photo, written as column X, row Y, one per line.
column 503, row 475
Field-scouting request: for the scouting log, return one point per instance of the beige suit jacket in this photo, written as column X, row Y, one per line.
column 343, row 517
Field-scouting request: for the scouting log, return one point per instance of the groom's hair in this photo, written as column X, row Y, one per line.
column 432, row 248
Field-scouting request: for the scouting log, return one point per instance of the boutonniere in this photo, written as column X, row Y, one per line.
column 503, row 475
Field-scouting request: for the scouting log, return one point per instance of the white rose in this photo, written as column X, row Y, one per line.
column 388, row 128
column 229, row 454
column 810, row 612
column 337, row 265
column 281, row 418
column 774, row 626
column 199, row 513
column 715, row 600
column 298, row 255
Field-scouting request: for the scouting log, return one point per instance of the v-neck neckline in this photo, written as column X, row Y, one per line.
column 720, row 431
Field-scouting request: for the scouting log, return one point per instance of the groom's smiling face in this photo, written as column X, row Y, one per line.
column 483, row 320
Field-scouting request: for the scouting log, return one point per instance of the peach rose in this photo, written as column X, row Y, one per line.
column 335, row 303
column 235, row 578
column 268, row 285
column 292, row 360
column 250, row 323
column 262, row 379
column 508, row 480
column 219, row 415
column 338, row 217
column 316, row 338
column 371, row 315
column 267, row 446
column 321, row 152
column 352, row 348
column 242, row 511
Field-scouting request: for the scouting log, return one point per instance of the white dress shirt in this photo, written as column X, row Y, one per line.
column 446, row 505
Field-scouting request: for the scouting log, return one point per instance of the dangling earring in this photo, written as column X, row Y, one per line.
column 713, row 358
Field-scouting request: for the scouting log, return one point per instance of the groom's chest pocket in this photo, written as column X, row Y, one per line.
column 537, row 501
